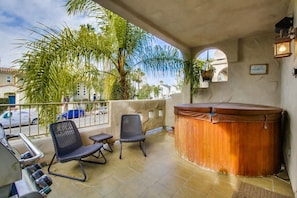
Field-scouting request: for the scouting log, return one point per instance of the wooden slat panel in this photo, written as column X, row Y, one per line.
column 241, row 148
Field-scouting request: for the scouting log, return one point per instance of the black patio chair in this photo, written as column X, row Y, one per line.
column 131, row 131
column 68, row 147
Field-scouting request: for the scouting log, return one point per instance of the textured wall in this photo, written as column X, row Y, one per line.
column 241, row 86
column 288, row 102
column 142, row 107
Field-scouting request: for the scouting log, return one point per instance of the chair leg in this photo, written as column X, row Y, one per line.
column 81, row 167
column 110, row 149
column 142, row 147
column 94, row 162
column 109, row 145
column 49, row 167
column 121, row 150
column 65, row 176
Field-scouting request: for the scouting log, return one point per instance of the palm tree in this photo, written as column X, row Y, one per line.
column 136, row 76
column 57, row 59
column 53, row 64
column 127, row 46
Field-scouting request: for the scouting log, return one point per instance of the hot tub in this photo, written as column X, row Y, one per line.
column 232, row 138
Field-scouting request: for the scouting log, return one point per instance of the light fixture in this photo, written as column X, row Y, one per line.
column 282, row 46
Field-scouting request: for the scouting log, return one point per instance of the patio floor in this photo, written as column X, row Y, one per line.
column 161, row 174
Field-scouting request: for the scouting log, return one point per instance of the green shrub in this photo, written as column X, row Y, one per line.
column 3, row 101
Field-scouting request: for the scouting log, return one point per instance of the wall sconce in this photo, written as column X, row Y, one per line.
column 282, row 46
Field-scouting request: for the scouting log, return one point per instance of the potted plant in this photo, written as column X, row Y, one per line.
column 198, row 73
column 207, row 71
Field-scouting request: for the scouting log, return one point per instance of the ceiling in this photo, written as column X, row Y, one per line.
column 193, row 23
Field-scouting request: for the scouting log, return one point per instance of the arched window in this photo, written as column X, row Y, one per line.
column 218, row 60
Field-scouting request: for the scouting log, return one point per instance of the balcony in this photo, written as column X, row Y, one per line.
column 161, row 174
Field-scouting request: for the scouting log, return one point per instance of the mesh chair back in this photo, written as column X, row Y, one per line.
column 65, row 136
column 131, row 126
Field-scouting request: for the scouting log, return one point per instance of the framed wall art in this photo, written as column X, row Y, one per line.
column 259, row 69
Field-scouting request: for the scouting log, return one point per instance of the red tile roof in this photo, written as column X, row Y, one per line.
column 7, row 70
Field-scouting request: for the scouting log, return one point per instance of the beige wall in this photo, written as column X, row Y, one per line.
column 241, row 86
column 289, row 103
column 7, row 90
column 3, row 79
column 180, row 98
column 142, row 107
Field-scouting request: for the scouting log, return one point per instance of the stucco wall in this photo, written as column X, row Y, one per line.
column 179, row 98
column 288, row 99
column 241, row 86
column 277, row 88
column 288, row 102
column 142, row 107
column 9, row 89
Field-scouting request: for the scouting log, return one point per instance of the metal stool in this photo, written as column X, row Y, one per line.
column 103, row 138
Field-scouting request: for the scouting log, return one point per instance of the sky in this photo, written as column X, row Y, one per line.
column 18, row 17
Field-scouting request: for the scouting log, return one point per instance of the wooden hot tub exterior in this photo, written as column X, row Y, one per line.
column 231, row 138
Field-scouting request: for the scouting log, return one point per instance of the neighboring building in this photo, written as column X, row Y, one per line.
column 174, row 89
column 10, row 89
column 83, row 93
column 221, row 64
column 8, row 85
column 165, row 91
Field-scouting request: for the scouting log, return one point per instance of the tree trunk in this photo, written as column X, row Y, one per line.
column 124, row 85
column 123, row 80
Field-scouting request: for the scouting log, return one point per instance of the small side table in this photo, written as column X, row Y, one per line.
column 103, row 138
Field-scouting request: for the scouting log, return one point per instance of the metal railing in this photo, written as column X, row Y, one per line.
column 33, row 119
